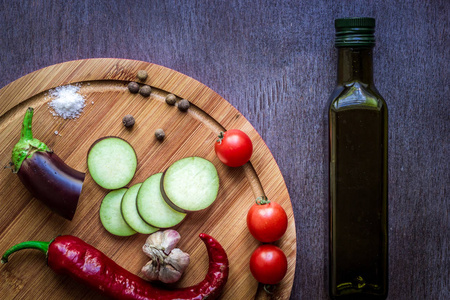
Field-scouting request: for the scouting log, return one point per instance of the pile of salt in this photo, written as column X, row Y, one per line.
column 67, row 102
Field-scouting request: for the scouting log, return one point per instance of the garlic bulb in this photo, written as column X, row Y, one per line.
column 167, row 263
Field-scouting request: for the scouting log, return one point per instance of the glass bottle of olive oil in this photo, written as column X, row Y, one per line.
column 358, row 136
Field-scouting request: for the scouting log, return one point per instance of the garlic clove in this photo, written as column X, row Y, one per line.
column 150, row 271
column 164, row 240
column 154, row 239
column 170, row 240
column 178, row 259
column 169, row 275
column 151, row 251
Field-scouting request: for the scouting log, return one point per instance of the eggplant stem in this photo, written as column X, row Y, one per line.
column 42, row 246
column 27, row 145
column 26, row 132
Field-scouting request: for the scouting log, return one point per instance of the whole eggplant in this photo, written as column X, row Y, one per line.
column 44, row 174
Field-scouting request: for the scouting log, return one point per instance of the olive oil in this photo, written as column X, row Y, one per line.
column 358, row 127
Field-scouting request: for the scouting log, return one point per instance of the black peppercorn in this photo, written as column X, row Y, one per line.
column 183, row 105
column 160, row 135
column 142, row 75
column 171, row 99
column 133, row 87
column 128, row 121
column 145, row 90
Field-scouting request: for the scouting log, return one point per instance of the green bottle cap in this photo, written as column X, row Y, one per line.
column 355, row 32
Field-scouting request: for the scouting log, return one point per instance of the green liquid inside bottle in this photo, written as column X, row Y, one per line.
column 358, row 135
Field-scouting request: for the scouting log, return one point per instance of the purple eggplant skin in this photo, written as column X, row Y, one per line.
column 53, row 182
column 44, row 174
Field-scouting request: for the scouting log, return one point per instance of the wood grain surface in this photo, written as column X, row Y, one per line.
column 275, row 62
column 103, row 84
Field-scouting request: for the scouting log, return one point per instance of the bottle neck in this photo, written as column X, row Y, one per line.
column 355, row 64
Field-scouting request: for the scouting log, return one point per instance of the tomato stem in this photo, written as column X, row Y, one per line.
column 261, row 200
column 269, row 288
column 219, row 140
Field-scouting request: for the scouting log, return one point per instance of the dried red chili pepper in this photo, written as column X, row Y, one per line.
column 72, row 256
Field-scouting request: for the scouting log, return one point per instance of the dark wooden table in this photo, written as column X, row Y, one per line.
column 275, row 61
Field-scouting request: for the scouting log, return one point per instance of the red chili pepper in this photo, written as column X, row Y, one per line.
column 72, row 256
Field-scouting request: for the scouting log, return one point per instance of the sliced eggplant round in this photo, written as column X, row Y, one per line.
column 131, row 214
column 190, row 184
column 152, row 207
column 112, row 162
column 111, row 214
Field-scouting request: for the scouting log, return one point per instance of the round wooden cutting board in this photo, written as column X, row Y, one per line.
column 104, row 85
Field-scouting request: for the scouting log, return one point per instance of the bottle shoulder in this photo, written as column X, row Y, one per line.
column 356, row 94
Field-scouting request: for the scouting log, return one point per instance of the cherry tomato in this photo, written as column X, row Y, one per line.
column 268, row 264
column 267, row 221
column 234, row 148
